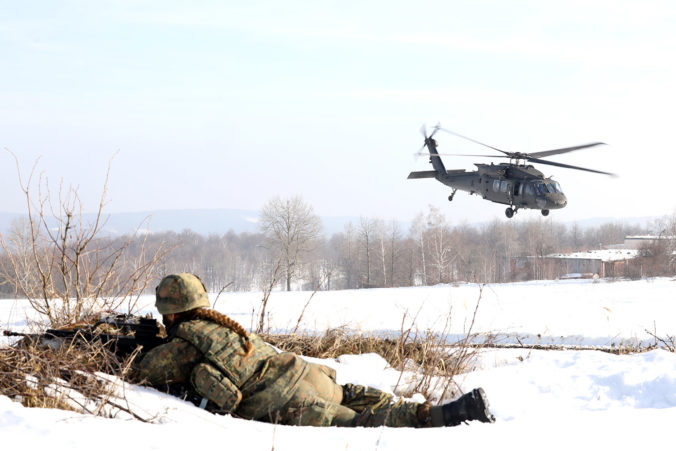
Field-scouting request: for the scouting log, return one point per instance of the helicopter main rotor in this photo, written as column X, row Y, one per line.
column 517, row 157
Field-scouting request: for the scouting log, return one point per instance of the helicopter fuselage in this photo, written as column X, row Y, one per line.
column 515, row 185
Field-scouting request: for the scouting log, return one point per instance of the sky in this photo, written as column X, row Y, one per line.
column 228, row 104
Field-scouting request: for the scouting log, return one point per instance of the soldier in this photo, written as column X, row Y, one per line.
column 233, row 371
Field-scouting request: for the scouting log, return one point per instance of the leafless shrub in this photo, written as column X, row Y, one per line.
column 302, row 312
column 667, row 342
column 274, row 278
column 61, row 264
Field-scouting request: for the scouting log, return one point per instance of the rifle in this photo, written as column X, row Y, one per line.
column 120, row 333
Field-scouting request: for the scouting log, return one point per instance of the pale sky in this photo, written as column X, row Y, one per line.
column 226, row 104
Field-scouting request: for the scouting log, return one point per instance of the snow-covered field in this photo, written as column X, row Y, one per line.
column 541, row 399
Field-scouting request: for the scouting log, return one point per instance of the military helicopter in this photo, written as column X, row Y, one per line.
column 514, row 183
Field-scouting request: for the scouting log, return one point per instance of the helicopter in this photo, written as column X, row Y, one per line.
column 515, row 183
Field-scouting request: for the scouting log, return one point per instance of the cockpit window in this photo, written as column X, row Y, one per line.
column 529, row 189
column 541, row 189
column 553, row 187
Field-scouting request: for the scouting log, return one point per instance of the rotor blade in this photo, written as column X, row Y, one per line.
column 561, row 165
column 462, row 155
column 547, row 153
column 472, row 140
column 434, row 132
column 423, row 131
column 436, row 129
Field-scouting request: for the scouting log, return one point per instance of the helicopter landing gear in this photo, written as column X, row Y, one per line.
column 544, row 212
column 509, row 212
column 450, row 198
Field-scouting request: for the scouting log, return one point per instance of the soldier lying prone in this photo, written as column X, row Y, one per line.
column 233, row 371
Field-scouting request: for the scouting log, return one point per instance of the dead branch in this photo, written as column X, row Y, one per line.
column 302, row 312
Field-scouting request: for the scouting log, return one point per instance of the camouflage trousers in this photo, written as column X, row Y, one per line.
column 320, row 401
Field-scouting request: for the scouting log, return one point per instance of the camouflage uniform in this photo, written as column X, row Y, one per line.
column 266, row 385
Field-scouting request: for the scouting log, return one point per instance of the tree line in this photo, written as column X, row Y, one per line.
column 290, row 251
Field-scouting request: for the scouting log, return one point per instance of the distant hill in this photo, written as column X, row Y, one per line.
column 202, row 221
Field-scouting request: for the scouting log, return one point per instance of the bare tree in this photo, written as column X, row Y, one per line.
column 418, row 233
column 382, row 252
column 658, row 257
column 670, row 233
column 343, row 250
column 18, row 245
column 366, row 231
column 394, row 251
column 291, row 230
column 439, row 241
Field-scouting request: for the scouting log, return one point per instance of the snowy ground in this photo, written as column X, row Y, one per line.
column 541, row 399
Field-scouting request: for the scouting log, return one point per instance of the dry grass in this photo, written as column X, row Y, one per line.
column 433, row 361
column 64, row 376
column 335, row 342
column 433, row 358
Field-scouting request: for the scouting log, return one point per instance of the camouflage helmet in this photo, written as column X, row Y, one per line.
column 181, row 292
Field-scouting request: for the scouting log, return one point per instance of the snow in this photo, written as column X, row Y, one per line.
column 541, row 399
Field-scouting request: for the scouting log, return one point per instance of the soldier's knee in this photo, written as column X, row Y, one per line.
column 318, row 414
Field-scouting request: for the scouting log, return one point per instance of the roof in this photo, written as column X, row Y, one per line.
column 649, row 237
column 606, row 255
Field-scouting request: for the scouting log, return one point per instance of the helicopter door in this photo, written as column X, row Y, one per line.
column 518, row 188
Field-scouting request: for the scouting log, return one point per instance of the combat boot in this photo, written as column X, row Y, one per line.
column 470, row 406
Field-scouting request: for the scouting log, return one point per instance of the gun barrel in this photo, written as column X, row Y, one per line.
column 11, row 333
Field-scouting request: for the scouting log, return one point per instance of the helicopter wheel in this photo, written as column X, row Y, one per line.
column 450, row 198
column 509, row 212
column 544, row 212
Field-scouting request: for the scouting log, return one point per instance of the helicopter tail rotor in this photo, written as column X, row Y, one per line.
column 423, row 131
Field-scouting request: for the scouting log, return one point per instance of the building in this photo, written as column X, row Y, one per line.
column 603, row 262
column 587, row 264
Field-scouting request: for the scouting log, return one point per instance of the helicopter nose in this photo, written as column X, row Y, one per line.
column 560, row 202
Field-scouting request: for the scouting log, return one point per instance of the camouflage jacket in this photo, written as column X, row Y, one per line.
column 211, row 359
